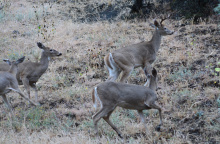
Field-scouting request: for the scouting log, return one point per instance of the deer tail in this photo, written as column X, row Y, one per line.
column 95, row 98
column 107, row 61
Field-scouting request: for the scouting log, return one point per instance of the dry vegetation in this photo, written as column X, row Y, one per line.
column 189, row 85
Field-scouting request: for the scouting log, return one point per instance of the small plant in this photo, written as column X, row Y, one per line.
column 37, row 118
column 215, row 70
column 181, row 74
column 4, row 6
column 46, row 28
column 14, row 55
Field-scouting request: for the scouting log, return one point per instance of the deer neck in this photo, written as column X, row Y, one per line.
column 156, row 40
column 44, row 61
column 151, row 86
column 13, row 70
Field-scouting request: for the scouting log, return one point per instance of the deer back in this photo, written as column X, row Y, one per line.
column 33, row 71
column 135, row 54
column 124, row 95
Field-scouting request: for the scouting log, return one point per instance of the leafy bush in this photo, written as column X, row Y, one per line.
column 217, row 9
column 194, row 9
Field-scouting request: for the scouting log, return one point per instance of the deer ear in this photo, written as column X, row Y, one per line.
column 20, row 60
column 7, row 61
column 40, row 45
column 156, row 23
column 154, row 72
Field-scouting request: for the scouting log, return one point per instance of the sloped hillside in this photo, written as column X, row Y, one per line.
column 189, row 83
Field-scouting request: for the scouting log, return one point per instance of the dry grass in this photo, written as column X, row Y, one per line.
column 185, row 63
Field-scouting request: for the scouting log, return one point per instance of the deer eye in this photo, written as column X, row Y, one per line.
column 51, row 50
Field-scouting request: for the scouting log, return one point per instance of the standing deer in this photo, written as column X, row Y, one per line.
column 8, row 82
column 30, row 72
column 138, row 55
column 112, row 94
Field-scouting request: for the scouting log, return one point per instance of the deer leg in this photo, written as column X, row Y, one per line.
column 106, row 118
column 96, row 118
column 126, row 73
column 7, row 103
column 35, row 89
column 100, row 114
column 155, row 106
column 140, row 112
column 147, row 71
column 25, row 82
column 147, row 84
column 22, row 95
column 113, row 74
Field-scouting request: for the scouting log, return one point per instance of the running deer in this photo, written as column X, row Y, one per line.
column 138, row 55
column 8, row 82
column 112, row 94
column 30, row 72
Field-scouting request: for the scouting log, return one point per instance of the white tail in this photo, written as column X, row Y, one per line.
column 96, row 99
column 112, row 67
column 113, row 94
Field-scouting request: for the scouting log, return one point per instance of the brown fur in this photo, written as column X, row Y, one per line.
column 29, row 72
column 8, row 82
column 137, row 55
column 128, row 96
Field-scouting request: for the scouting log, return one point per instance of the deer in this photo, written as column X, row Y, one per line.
column 30, row 72
column 8, row 82
column 143, row 54
column 111, row 94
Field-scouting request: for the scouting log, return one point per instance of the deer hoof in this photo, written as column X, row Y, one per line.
column 157, row 128
column 120, row 136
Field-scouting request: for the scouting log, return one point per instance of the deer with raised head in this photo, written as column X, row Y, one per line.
column 112, row 94
column 30, row 72
column 137, row 55
column 8, row 82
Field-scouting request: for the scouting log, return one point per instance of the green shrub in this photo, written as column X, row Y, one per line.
column 194, row 8
column 217, row 9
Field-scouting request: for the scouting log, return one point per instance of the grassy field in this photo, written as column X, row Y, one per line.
column 186, row 64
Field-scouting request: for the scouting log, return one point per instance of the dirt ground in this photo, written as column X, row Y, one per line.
column 189, row 84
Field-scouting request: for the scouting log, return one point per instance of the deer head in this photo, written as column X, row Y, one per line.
column 14, row 65
column 48, row 51
column 162, row 29
column 7, row 61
